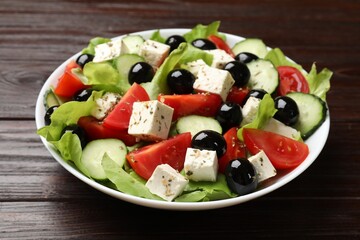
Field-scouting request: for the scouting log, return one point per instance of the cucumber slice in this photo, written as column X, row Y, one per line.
column 312, row 112
column 123, row 64
column 50, row 99
column 252, row 45
column 263, row 75
column 196, row 123
column 94, row 151
column 130, row 44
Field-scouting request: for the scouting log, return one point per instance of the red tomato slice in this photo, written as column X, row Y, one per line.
column 118, row 119
column 237, row 95
column 221, row 44
column 171, row 151
column 96, row 130
column 283, row 152
column 234, row 149
column 291, row 80
column 68, row 83
column 204, row 104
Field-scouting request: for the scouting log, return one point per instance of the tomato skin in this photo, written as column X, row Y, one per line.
column 283, row 152
column 96, row 130
column 119, row 117
column 291, row 80
column 237, row 95
column 221, row 44
column 234, row 149
column 203, row 104
column 68, row 84
column 172, row 151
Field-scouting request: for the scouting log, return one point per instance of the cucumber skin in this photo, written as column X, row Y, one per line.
column 295, row 96
column 253, row 84
column 184, row 124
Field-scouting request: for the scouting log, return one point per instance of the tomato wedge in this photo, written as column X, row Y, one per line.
column 234, row 149
column 291, row 80
column 96, row 130
column 68, row 83
column 118, row 119
column 283, row 152
column 171, row 151
column 237, row 95
column 221, row 44
column 204, row 104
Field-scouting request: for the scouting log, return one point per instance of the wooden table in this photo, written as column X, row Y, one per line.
column 41, row 200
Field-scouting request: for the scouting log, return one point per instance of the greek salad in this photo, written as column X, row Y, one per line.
column 184, row 118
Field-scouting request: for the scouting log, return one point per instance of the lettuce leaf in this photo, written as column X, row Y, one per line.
column 278, row 58
column 203, row 31
column 266, row 111
column 183, row 54
column 319, row 83
column 156, row 36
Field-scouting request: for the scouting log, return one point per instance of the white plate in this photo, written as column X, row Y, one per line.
column 316, row 143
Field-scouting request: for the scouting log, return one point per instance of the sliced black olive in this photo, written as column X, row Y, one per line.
column 141, row 72
column 180, row 81
column 84, row 59
column 203, row 44
column 239, row 71
column 287, row 110
column 258, row 93
column 229, row 115
column 174, row 41
column 209, row 140
column 80, row 132
column 241, row 176
column 48, row 114
column 245, row 57
column 83, row 95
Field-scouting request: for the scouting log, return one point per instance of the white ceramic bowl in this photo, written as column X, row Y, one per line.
column 316, row 143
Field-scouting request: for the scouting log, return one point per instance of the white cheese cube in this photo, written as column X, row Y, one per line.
column 214, row 80
column 104, row 105
column 275, row 126
column 194, row 66
column 154, row 52
column 107, row 51
column 201, row 165
column 150, row 120
column 249, row 110
column 263, row 166
column 220, row 58
column 166, row 182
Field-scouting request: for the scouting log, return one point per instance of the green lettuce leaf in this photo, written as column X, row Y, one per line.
column 278, row 58
column 156, row 36
column 203, row 31
column 90, row 49
column 183, row 54
column 265, row 112
column 124, row 181
column 319, row 83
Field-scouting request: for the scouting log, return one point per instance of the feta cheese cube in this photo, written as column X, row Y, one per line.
column 263, row 166
column 220, row 58
column 249, row 110
column 275, row 126
column 214, row 80
column 154, row 52
column 166, row 182
column 194, row 66
column 107, row 51
column 150, row 120
column 104, row 105
column 201, row 165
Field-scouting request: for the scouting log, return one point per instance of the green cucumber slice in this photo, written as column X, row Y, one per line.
column 263, row 75
column 252, row 45
column 196, row 123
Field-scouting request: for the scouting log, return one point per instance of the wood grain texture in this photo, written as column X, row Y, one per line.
column 40, row 200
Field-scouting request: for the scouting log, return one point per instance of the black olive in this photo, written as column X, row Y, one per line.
column 141, row 72
column 203, row 44
column 287, row 110
column 245, row 57
column 80, row 132
column 258, row 93
column 174, row 41
column 48, row 114
column 83, row 95
column 84, row 59
column 229, row 115
column 239, row 71
column 241, row 176
column 180, row 81
column 209, row 140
